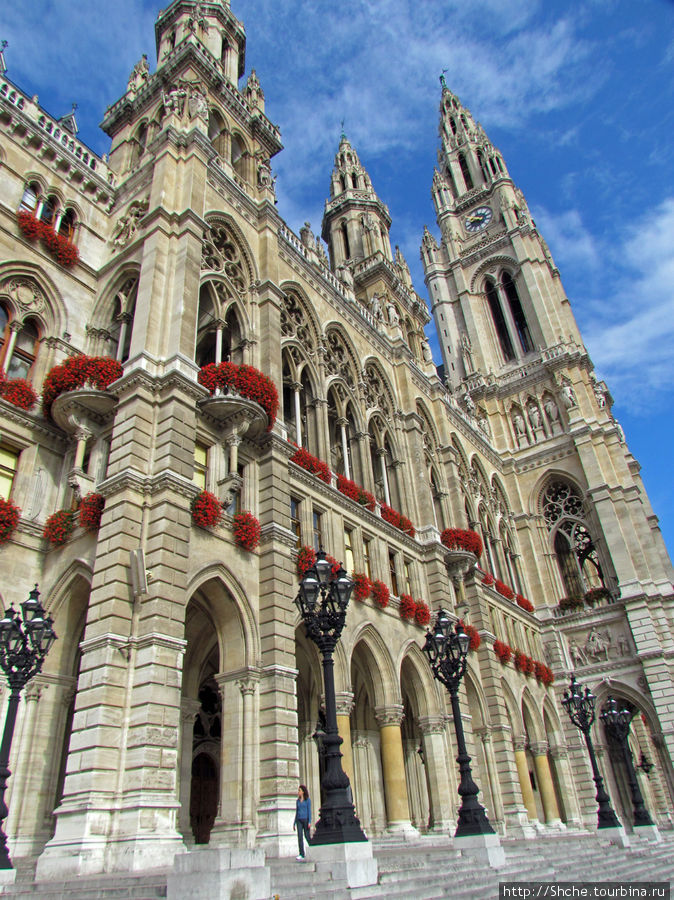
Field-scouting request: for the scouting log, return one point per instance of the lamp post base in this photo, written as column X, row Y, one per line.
column 616, row 835
column 353, row 863
column 484, row 847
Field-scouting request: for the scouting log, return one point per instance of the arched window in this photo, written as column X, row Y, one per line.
column 354, row 180
column 48, row 211
column 452, row 124
column 217, row 133
column 31, row 196
column 483, row 166
column 67, row 224
column 492, row 165
column 238, row 156
column 217, row 341
column 519, row 318
column 436, row 496
column 4, row 331
column 577, row 557
column 138, row 144
column 121, row 327
column 345, row 238
column 343, row 182
column 24, row 352
column 499, row 320
column 465, row 171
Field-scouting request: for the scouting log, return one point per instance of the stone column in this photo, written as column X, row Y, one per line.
column 381, row 453
column 492, row 775
column 393, row 764
column 344, row 700
column 345, row 446
column 545, row 786
column 433, row 737
column 523, row 774
column 188, row 713
column 560, row 758
column 297, row 387
column 248, row 685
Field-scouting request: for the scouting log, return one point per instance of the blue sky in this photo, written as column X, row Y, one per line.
column 578, row 97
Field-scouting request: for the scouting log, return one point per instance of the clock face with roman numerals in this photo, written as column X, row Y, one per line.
column 478, row 219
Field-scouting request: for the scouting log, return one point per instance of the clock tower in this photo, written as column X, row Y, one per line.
column 496, row 294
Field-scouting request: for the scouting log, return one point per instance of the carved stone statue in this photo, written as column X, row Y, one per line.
column 264, row 176
column 322, row 255
column 139, row 74
column 551, row 410
column 568, row 395
column 535, row 416
column 401, row 263
column 198, row 105
column 577, row 654
column 467, row 354
column 174, row 101
column 469, row 404
column 343, row 272
column 426, row 352
column 375, row 308
column 597, row 643
column 307, row 236
column 599, row 393
column 519, row 425
column 128, row 224
column 392, row 313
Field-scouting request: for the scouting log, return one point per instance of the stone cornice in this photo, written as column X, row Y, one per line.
column 131, row 479
column 31, row 423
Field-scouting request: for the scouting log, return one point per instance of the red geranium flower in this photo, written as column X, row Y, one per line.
column 91, row 510
column 422, row 614
column 504, row 590
column 247, row 532
column 306, row 558
column 206, row 510
column 244, row 380
column 18, row 392
column 9, row 519
column 59, row 526
column 524, row 663
column 488, row 580
column 363, row 586
column 462, row 539
column 407, row 607
column 524, row 603
column 313, row 464
column 473, row 634
column 503, row 651
column 76, row 372
column 380, row 594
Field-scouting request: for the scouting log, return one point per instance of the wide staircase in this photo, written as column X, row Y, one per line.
column 427, row 868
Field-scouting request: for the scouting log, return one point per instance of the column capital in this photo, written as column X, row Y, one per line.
column 344, row 702
column 431, row 724
column 519, row 743
column 558, row 751
column 389, row 715
column 539, row 748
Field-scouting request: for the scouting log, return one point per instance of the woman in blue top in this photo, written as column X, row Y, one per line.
column 302, row 818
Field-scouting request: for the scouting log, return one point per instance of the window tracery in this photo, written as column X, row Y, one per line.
column 376, row 393
column 221, row 253
column 294, row 323
column 338, row 359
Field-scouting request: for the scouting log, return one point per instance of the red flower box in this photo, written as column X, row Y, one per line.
column 244, row 380
column 473, row 634
column 64, row 252
column 247, row 531
column 524, row 603
column 407, row 607
column 306, row 558
column 29, row 225
column 18, row 392
column 504, row 590
column 91, row 510
column 363, row 586
column 9, row 519
column 524, row 663
column 380, row 594
column 503, row 651
column 422, row 614
column 393, row 517
column 543, row 673
column 355, row 492
column 488, row 580
column 59, row 526
column 76, row 372
column 462, row 539
column 313, row 464
column 206, row 510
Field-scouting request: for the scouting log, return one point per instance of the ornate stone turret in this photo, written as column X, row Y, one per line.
column 212, row 26
column 355, row 222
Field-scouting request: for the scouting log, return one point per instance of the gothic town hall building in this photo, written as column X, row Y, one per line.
column 180, row 703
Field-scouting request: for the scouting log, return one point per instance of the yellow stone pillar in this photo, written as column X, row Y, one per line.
column 344, row 700
column 393, row 765
column 546, row 787
column 525, row 780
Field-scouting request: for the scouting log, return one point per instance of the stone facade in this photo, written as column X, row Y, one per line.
column 181, row 701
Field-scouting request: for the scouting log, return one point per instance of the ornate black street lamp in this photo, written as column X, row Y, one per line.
column 580, row 707
column 447, row 650
column 23, row 648
column 322, row 601
column 617, row 724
